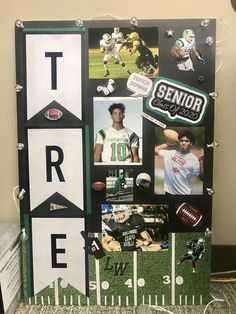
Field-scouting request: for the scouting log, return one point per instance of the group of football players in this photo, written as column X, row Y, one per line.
column 111, row 46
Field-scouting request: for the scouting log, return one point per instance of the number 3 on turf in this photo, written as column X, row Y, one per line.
column 166, row 280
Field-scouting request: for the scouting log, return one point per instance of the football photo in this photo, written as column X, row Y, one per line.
column 117, row 52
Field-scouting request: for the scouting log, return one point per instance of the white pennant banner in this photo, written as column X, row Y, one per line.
column 58, row 252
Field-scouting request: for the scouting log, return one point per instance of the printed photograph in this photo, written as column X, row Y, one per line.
column 179, row 160
column 117, row 130
column 119, row 185
column 134, row 227
column 185, row 50
column 117, row 52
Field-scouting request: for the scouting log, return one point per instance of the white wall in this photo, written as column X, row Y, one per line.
column 224, row 213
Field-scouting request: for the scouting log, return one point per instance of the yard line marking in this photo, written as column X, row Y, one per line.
column 119, row 300
column 71, row 299
column 149, row 299
column 127, row 301
column 193, row 299
column 156, row 300
column 173, row 269
column 105, row 300
column 29, row 301
column 98, row 283
column 180, row 299
column 143, row 299
column 163, row 299
column 64, row 300
column 35, row 299
column 49, row 300
column 112, row 300
column 88, row 303
column 79, row 302
column 200, row 299
column 186, row 300
column 135, row 276
column 56, row 292
column 42, row 300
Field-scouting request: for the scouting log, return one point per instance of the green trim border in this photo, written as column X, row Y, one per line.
column 52, row 29
column 87, row 158
column 27, row 256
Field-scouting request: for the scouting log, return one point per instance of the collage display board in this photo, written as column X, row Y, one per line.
column 115, row 145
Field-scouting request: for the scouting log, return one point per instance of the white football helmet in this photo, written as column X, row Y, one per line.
column 143, row 181
column 107, row 38
column 120, row 213
column 116, row 30
column 189, row 35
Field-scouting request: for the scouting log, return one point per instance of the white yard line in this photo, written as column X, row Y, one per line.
column 135, row 276
column 173, row 269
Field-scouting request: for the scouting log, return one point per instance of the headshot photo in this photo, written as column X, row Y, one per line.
column 179, row 161
column 117, row 130
column 119, row 51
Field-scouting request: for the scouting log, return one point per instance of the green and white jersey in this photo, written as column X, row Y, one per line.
column 186, row 46
column 117, row 144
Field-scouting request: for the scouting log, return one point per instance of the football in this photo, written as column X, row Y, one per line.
column 171, row 136
column 98, row 186
column 189, row 215
column 53, row 114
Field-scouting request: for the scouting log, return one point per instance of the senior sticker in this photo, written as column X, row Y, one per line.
column 177, row 101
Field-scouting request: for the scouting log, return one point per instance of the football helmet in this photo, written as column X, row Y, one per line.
column 143, row 181
column 189, row 35
column 107, row 38
column 120, row 213
column 106, row 208
column 134, row 36
column 201, row 241
column 116, row 30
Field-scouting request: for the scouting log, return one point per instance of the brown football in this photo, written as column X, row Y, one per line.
column 98, row 186
column 171, row 136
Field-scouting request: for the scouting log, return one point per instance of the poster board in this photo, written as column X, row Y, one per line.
column 116, row 120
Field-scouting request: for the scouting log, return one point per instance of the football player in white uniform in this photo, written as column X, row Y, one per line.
column 116, row 144
column 107, row 46
column 180, row 165
column 118, row 36
column 182, row 51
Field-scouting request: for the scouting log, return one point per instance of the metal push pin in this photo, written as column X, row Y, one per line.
column 210, row 191
column 18, row 88
column 23, row 236
column 19, row 24
column 20, row 196
column 209, row 40
column 201, row 78
column 213, row 145
column 134, row 21
column 20, row 146
column 214, row 95
column 205, row 23
column 208, row 232
column 79, row 23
